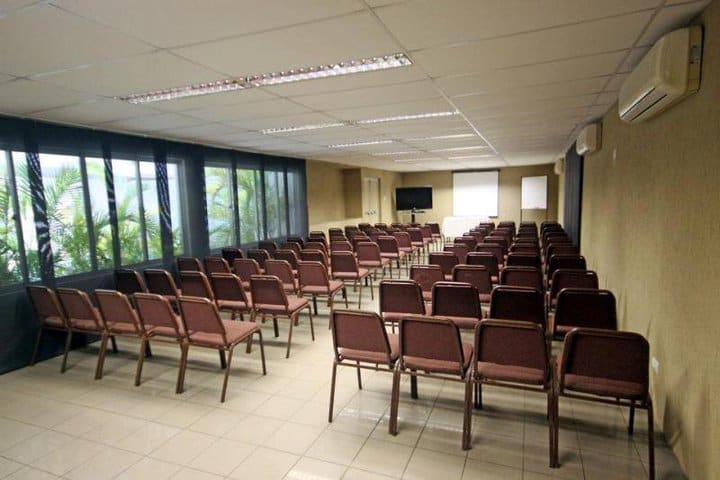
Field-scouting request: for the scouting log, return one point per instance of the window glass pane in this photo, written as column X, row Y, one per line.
column 275, row 204
column 295, row 203
column 128, row 211
column 248, row 198
column 10, row 269
column 27, row 218
column 100, row 212
column 152, row 210
column 65, row 205
column 218, row 198
column 176, row 208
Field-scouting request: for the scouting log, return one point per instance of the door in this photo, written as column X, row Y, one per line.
column 371, row 199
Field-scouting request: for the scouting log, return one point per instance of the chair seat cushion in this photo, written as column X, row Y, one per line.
column 485, row 298
column 605, row 387
column 232, row 305
column 427, row 296
column 54, row 322
column 439, row 366
column 466, row 323
column 121, row 328
column 163, row 331
column 82, row 324
column 510, row 373
column 294, row 304
column 333, row 286
column 374, row 263
column 395, row 317
column 234, row 332
column 370, row 356
column 361, row 273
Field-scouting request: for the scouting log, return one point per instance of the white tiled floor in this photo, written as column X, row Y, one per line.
column 275, row 426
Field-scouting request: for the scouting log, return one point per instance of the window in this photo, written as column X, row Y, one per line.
column 10, row 256
column 102, row 230
column 26, row 217
column 249, row 198
column 150, row 205
column 275, row 204
column 176, row 208
column 219, row 201
column 296, row 202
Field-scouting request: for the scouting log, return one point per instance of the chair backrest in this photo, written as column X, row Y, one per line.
column 293, row 246
column 214, row 264
column 608, row 355
column 456, row 299
column 468, row 240
column 281, row 269
column 388, row 244
column 561, row 249
column 426, row 231
column 267, row 290
column 259, row 255
column 115, row 309
column 434, row 228
column 459, row 249
column 498, row 240
column 156, row 310
column 160, row 282
column 493, row 248
column 188, row 264
column 401, row 296
column 585, row 307
column 488, row 260
column 336, row 232
column 446, row 260
column 428, row 338
column 512, row 343
column 231, row 253
column 426, row 276
column 245, row 268
column 574, row 262
column 403, row 239
column 129, row 281
column 200, row 315
column 569, row 278
column 315, row 246
column 360, row 331
column 268, row 245
column 525, row 248
column 46, row 304
column 415, row 234
column 368, row 251
column 519, row 259
column 290, row 256
column 313, row 274
column 195, row 284
column 341, row 246
column 296, row 239
column 77, row 306
column 314, row 256
column 476, row 275
column 344, row 262
column 228, row 286
column 518, row 303
column 522, row 277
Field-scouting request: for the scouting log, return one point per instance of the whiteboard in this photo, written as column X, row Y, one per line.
column 534, row 193
column 475, row 194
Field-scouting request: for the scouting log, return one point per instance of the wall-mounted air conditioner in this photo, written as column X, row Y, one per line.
column 669, row 72
column 559, row 167
column 589, row 139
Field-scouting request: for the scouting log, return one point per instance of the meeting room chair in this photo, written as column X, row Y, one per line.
column 369, row 256
column 390, row 249
column 459, row 249
column 345, row 268
column 288, row 255
column 426, row 276
column 260, row 255
column 518, row 259
column 446, row 260
column 459, row 302
column 189, row 264
column 583, row 307
column 575, row 262
column 488, row 260
column 476, row 275
column 268, row 245
column 399, row 298
column 196, row 284
column 519, row 304
column 284, row 271
column 522, row 277
column 231, row 253
column 129, row 281
column 493, row 248
column 161, row 282
column 245, row 268
column 49, row 315
column 215, row 264
column 230, row 295
column 570, row 278
column 315, row 281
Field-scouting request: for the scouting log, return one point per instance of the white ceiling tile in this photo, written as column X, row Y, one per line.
column 395, row 109
column 138, row 74
column 248, row 111
column 168, row 23
column 371, row 96
column 151, row 123
column 94, row 112
column 5, row 78
column 25, row 96
column 52, row 39
column 636, row 54
column 588, row 38
column 426, row 23
column 8, row 7
column 215, row 100
column 670, row 18
column 256, row 123
column 328, row 41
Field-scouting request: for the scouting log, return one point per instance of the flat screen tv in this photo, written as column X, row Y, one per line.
column 408, row 198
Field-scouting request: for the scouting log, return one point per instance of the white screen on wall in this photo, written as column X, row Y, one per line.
column 475, row 194
column 534, row 193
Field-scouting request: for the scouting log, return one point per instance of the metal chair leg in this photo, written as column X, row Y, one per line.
column 68, row 341
column 227, row 374
column 332, row 392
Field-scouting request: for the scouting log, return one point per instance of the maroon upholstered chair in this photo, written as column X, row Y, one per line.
column 230, row 294
column 498, row 240
column 557, row 261
column 428, row 238
column 129, row 281
column 49, row 314
column 315, row 256
column 284, row 271
column 206, row 329
column 460, row 250
column 196, row 284
column 121, row 319
column 316, row 246
column 296, row 239
column 83, row 317
column 231, row 253
column 268, row 245
column 336, row 232
column 583, row 307
column 368, row 255
column 568, row 278
column 260, row 256
column 518, row 259
column 493, row 248
column 315, row 281
column 341, row 246
column 214, row 264
column 607, row 367
column 487, row 260
column 405, row 245
column 390, row 249
column 295, row 246
column 426, row 276
column 476, row 275
column 530, row 277
column 246, row 268
column 161, row 282
column 459, row 302
column 417, row 240
column 518, row 303
column 515, row 355
column 436, row 233
column 269, row 298
column 317, row 236
column 162, row 324
column 345, row 268
column 289, row 256
column 525, row 248
column 189, row 264
column 432, row 347
column 561, row 248
column 360, row 341
column 399, row 298
column 446, row 260
column 467, row 240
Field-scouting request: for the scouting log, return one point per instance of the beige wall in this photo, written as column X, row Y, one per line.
column 650, row 229
column 509, row 192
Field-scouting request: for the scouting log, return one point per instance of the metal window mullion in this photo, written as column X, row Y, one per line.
column 39, row 203
column 263, row 202
column 12, row 185
column 112, row 203
column 287, row 202
column 141, row 211
column 89, row 221
column 235, row 203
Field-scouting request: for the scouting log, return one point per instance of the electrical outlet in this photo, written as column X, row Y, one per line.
column 655, row 365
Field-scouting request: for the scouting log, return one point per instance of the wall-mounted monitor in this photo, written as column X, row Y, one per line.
column 408, row 198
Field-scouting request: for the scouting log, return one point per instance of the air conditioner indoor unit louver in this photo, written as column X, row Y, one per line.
column 589, row 139
column 669, row 72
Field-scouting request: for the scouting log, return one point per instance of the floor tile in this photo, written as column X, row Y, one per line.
column 383, row 457
column 149, row 469
column 265, row 463
column 293, row 438
column 307, row 468
column 183, row 447
column 222, row 457
column 106, row 465
column 336, row 447
column 426, row 464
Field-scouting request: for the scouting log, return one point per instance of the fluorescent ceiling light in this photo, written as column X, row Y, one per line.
column 472, row 157
column 460, row 149
column 300, row 128
column 359, row 144
column 384, row 154
column 407, row 117
column 411, row 160
column 296, row 75
column 440, row 137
